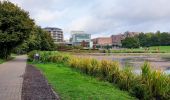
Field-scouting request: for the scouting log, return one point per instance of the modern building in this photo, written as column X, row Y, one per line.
column 81, row 38
column 56, row 34
column 102, row 41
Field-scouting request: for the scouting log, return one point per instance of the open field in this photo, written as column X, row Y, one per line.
column 154, row 49
column 70, row 84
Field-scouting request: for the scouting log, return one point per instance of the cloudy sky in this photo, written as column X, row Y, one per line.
column 100, row 17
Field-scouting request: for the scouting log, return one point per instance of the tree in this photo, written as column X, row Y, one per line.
column 142, row 39
column 15, row 27
column 38, row 40
column 131, row 42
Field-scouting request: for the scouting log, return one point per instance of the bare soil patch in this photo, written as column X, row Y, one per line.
column 35, row 86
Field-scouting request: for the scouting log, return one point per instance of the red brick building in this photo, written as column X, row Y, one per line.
column 102, row 41
column 114, row 40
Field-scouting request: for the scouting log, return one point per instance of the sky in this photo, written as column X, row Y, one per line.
column 100, row 18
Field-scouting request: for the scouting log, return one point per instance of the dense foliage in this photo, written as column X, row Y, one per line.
column 149, row 85
column 15, row 27
column 131, row 42
column 147, row 40
column 38, row 40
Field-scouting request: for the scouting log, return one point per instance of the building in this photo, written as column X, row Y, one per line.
column 56, row 34
column 116, row 39
column 130, row 34
column 102, row 42
column 80, row 38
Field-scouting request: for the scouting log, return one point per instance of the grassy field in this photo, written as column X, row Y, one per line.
column 154, row 49
column 72, row 85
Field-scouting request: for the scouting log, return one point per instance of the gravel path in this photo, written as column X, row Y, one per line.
column 35, row 86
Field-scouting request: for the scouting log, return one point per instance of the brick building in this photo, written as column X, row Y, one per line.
column 102, row 41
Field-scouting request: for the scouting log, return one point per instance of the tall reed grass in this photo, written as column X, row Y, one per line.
column 149, row 85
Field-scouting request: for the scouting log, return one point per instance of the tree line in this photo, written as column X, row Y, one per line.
column 19, row 31
column 147, row 40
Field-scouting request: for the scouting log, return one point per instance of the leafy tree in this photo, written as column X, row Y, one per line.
column 38, row 40
column 142, row 39
column 131, row 42
column 47, row 42
column 15, row 27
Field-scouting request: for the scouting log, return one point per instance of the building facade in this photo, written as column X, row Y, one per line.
column 56, row 34
column 102, row 41
column 80, row 38
column 116, row 39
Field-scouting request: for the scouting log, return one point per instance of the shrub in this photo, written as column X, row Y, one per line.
column 148, row 85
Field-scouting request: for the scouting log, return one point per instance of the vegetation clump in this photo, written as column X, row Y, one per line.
column 15, row 27
column 150, row 84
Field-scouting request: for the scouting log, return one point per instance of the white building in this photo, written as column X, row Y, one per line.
column 81, row 38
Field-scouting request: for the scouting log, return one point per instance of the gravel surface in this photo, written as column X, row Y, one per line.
column 35, row 86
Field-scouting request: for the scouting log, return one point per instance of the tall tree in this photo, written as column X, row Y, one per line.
column 15, row 27
column 131, row 42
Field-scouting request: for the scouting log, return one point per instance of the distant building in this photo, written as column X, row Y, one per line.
column 130, row 34
column 56, row 34
column 116, row 40
column 80, row 38
column 102, row 41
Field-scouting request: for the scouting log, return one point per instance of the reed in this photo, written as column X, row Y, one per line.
column 149, row 85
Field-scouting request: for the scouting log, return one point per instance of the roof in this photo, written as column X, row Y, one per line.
column 52, row 28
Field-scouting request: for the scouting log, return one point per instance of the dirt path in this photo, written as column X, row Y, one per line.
column 11, row 78
column 35, row 86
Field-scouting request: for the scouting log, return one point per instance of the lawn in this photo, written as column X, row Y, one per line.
column 73, row 85
column 162, row 48
column 154, row 49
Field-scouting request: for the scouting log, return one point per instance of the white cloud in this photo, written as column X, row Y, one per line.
column 100, row 17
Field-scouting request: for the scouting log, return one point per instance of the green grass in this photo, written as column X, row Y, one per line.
column 1, row 61
column 154, row 49
column 73, row 85
column 162, row 48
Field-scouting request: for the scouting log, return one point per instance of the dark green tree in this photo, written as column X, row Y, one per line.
column 38, row 40
column 15, row 27
column 131, row 42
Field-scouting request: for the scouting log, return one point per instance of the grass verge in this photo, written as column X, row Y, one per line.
column 70, row 84
column 1, row 61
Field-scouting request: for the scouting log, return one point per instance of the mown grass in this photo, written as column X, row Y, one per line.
column 72, row 85
column 154, row 49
